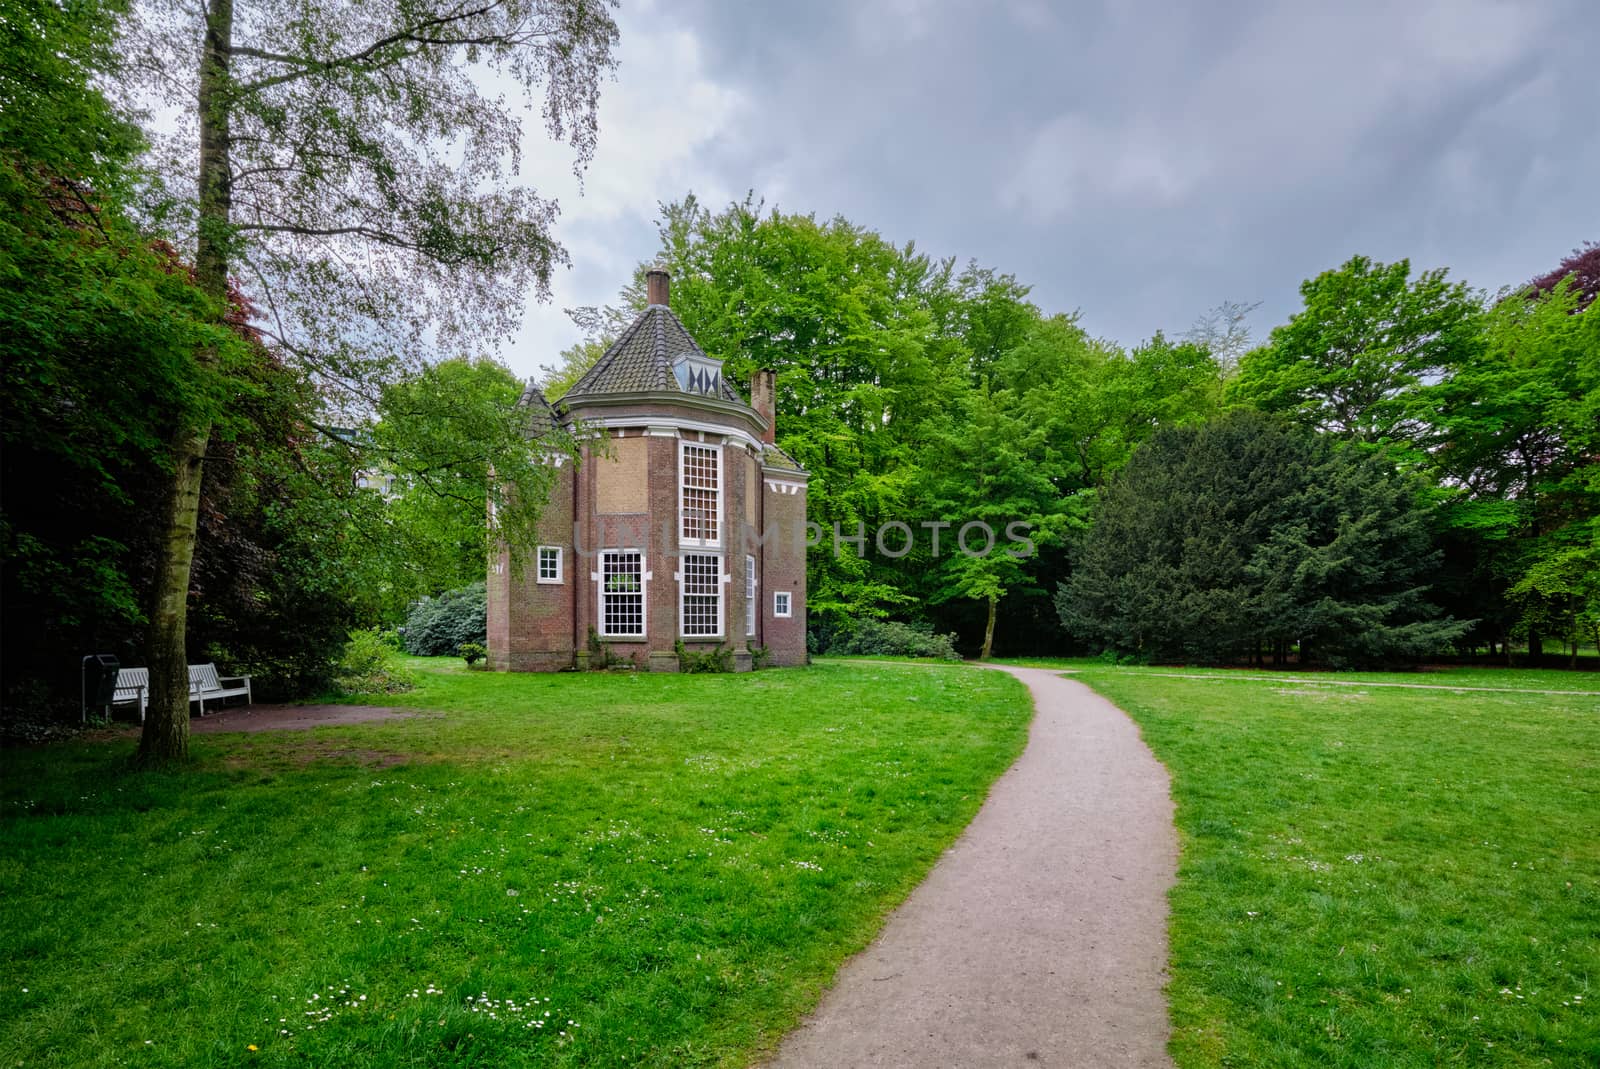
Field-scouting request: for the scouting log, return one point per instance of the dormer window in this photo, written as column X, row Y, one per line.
column 697, row 373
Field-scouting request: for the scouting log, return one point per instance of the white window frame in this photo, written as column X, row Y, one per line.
column 750, row 601
column 788, row 604
column 644, row 595
column 720, row 582
column 561, row 566
column 684, row 445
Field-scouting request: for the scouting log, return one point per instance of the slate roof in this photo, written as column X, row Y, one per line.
column 773, row 457
column 641, row 360
column 541, row 414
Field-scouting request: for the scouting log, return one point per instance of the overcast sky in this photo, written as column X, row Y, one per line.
column 1139, row 161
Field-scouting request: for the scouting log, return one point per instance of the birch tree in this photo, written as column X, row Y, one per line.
column 356, row 167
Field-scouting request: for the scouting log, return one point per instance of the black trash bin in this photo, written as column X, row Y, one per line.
column 99, row 681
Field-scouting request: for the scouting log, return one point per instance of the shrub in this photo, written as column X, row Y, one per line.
column 599, row 652
column 367, row 667
column 472, row 652
column 693, row 663
column 437, row 627
column 893, row 638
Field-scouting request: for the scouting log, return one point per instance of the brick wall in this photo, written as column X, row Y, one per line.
column 783, row 567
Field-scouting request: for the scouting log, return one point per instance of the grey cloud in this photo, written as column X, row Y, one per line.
column 1145, row 161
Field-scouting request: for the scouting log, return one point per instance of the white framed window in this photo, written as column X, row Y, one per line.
column 621, row 578
column 750, row 596
column 699, row 494
column 550, row 564
column 701, row 599
column 782, row 603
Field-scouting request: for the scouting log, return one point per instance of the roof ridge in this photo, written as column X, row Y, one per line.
column 661, row 345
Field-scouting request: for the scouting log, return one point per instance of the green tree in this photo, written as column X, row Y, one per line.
column 1514, row 431
column 982, row 468
column 1350, row 362
column 1241, row 537
column 454, row 439
column 326, row 175
column 97, row 324
column 846, row 320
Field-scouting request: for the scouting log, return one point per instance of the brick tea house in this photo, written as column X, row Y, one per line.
column 681, row 521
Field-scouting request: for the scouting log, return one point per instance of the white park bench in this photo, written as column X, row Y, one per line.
column 133, row 687
column 205, row 685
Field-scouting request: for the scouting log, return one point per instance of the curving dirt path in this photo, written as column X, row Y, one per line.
column 1040, row 937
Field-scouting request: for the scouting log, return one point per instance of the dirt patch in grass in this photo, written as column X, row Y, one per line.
column 257, row 718
column 302, row 753
column 292, row 717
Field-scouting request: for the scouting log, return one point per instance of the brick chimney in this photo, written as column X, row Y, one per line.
column 658, row 287
column 762, row 399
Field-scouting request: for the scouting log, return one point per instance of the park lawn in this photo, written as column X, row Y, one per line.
column 1468, row 677
column 597, row 869
column 1378, row 877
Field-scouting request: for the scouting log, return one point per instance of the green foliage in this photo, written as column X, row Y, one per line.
column 574, row 361
column 1368, row 337
column 1222, row 541
column 1514, row 433
column 472, row 652
column 892, row 638
column 442, row 433
column 695, row 662
column 600, row 655
column 913, row 391
column 439, row 626
column 368, row 666
column 98, row 329
column 760, row 657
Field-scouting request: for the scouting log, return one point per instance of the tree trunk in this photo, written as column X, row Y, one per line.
column 166, row 727
column 988, row 631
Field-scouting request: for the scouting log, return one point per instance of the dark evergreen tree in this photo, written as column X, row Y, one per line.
column 1244, row 537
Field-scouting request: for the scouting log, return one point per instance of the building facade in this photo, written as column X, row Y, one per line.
column 682, row 520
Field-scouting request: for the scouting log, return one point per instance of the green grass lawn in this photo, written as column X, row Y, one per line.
column 539, row 870
column 1472, row 677
column 1379, row 877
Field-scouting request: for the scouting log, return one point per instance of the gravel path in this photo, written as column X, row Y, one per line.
column 1040, row 937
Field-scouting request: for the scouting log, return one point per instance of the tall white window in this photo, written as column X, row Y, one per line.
column 700, row 494
column 550, row 564
column 750, row 596
column 621, row 592
column 781, row 603
column 702, row 594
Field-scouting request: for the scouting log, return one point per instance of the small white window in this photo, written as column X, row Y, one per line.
column 780, row 603
column 621, row 592
column 550, row 564
column 750, row 596
column 702, row 595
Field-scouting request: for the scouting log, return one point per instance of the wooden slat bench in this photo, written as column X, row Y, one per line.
column 133, row 688
column 205, row 685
